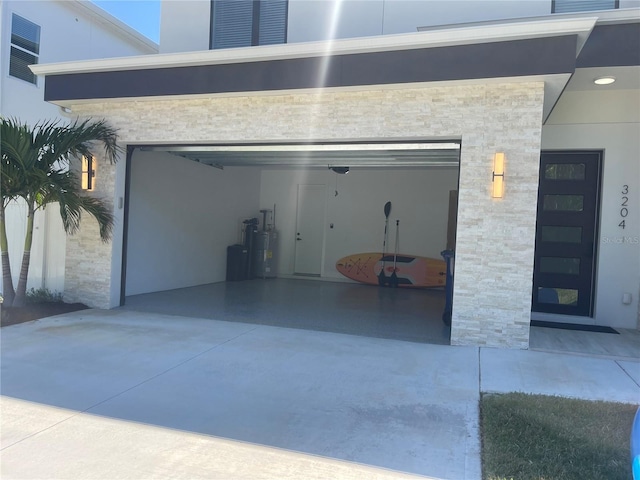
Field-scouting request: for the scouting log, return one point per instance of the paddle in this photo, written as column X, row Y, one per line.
column 382, row 280
column 393, row 280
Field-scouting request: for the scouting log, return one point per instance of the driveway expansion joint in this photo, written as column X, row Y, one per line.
column 628, row 375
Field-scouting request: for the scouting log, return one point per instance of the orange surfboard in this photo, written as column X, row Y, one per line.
column 412, row 271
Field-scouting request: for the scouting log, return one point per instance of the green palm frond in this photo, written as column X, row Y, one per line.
column 63, row 188
column 36, row 166
column 57, row 144
column 18, row 158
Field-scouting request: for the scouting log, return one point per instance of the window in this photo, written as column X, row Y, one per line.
column 246, row 23
column 25, row 48
column 88, row 173
column 564, row 171
column 563, row 203
column 567, row 6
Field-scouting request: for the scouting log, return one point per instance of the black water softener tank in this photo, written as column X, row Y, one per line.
column 237, row 262
column 250, row 230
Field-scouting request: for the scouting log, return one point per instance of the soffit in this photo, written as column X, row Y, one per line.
column 627, row 78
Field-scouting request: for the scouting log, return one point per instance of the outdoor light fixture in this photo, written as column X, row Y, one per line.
column 498, row 175
column 340, row 170
column 88, row 173
column 604, row 80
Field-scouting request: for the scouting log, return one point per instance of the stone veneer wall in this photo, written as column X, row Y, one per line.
column 87, row 277
column 495, row 237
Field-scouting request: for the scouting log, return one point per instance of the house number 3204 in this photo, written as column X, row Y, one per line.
column 624, row 206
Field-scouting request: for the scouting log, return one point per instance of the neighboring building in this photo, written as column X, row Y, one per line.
column 35, row 32
column 561, row 239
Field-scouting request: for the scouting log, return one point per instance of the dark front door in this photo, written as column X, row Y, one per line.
column 568, row 199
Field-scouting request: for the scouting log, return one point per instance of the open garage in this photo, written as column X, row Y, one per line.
column 391, row 90
column 188, row 203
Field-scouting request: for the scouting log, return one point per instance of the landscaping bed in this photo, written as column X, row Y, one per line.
column 35, row 311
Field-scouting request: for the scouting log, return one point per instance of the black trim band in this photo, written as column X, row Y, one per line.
column 540, row 56
column 612, row 46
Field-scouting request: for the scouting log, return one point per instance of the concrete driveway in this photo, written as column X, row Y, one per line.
column 122, row 394
column 132, row 395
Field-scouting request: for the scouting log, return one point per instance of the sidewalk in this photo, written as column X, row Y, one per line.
column 566, row 375
column 117, row 394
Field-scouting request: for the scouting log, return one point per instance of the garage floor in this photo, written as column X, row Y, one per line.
column 401, row 314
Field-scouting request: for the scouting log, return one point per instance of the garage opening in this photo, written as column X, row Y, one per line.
column 317, row 204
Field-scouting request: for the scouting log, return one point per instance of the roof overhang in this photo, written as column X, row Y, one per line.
column 455, row 36
column 521, row 51
column 545, row 59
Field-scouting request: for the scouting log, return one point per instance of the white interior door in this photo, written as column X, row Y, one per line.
column 309, row 229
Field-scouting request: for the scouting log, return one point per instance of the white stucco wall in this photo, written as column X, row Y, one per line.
column 46, row 266
column 419, row 200
column 608, row 120
column 312, row 20
column 68, row 31
column 182, row 217
column 185, row 24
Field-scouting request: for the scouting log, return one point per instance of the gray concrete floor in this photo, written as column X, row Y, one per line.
column 402, row 314
column 76, row 387
column 399, row 314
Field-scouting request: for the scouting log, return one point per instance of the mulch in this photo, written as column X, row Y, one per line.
column 35, row 311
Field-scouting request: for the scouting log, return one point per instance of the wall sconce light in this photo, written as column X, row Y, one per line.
column 340, row 170
column 498, row 175
column 88, row 173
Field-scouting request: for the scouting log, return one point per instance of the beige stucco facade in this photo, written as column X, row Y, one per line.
column 495, row 237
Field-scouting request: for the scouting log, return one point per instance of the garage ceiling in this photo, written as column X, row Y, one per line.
column 389, row 155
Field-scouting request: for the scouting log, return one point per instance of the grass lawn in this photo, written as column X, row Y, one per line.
column 537, row 437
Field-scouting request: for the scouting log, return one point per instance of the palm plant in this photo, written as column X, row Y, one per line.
column 36, row 168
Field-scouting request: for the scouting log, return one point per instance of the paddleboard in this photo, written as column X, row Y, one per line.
column 412, row 271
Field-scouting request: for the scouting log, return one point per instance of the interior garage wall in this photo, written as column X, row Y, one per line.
column 609, row 121
column 419, row 198
column 182, row 217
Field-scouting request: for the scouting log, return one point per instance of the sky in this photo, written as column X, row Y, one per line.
column 142, row 15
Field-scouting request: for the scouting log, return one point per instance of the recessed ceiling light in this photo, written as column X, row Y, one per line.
column 604, row 80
